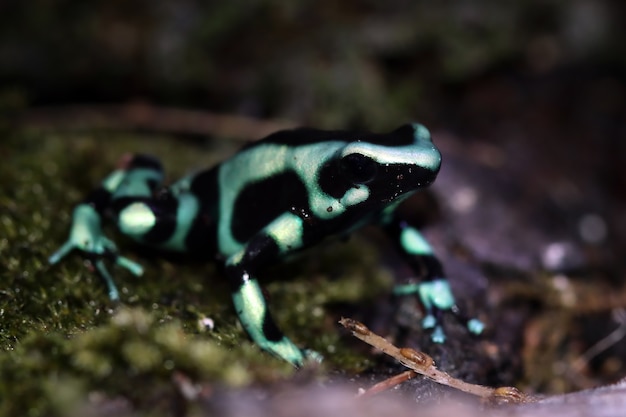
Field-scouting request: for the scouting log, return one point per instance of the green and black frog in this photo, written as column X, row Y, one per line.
column 276, row 196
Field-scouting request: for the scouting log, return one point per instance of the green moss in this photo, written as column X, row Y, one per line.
column 132, row 356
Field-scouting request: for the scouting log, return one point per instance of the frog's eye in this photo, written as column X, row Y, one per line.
column 359, row 168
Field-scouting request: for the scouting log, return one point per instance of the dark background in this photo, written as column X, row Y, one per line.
column 475, row 66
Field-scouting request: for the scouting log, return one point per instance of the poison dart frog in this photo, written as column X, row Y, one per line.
column 276, row 196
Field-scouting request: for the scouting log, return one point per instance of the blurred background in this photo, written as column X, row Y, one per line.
column 473, row 66
column 527, row 101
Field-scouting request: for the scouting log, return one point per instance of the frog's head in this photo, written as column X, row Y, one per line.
column 390, row 166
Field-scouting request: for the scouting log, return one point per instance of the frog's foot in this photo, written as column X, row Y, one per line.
column 86, row 237
column 283, row 348
column 95, row 251
column 312, row 356
column 436, row 298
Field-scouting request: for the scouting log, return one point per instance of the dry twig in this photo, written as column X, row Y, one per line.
column 144, row 116
column 421, row 363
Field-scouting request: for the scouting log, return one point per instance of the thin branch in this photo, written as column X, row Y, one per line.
column 421, row 363
column 603, row 344
column 388, row 383
column 144, row 116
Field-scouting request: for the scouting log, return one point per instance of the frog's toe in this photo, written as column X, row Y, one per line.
column 312, row 356
column 429, row 322
column 438, row 336
column 114, row 294
column 135, row 268
column 475, row 326
column 61, row 252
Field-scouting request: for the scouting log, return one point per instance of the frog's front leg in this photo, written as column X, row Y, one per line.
column 278, row 238
column 434, row 291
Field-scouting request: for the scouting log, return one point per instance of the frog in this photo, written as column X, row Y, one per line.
column 275, row 197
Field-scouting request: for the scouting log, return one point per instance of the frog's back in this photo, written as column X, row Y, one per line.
column 267, row 179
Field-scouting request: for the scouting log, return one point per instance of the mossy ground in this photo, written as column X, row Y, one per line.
column 62, row 339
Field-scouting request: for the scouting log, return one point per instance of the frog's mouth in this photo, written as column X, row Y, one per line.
column 397, row 180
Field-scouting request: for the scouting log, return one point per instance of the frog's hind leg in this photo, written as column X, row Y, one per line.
column 132, row 189
column 136, row 177
column 149, row 213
